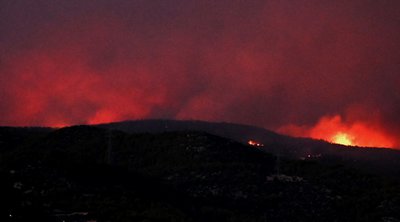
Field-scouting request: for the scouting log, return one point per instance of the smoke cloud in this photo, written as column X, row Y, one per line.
column 284, row 65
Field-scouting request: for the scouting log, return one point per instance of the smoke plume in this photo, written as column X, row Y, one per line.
column 300, row 67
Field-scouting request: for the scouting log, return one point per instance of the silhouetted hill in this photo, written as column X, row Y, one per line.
column 84, row 173
column 378, row 160
column 238, row 132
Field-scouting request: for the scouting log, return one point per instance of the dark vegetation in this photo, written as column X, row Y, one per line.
column 377, row 160
column 103, row 173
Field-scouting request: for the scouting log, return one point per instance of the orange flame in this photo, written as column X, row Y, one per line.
column 343, row 138
column 254, row 143
column 333, row 129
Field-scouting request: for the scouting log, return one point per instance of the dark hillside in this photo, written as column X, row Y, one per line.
column 84, row 173
column 374, row 160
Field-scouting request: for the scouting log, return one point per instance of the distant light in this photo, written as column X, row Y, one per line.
column 10, row 215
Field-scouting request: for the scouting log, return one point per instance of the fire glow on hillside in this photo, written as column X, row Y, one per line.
column 333, row 129
column 342, row 138
column 254, row 143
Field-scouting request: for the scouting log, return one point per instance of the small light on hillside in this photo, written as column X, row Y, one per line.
column 254, row 143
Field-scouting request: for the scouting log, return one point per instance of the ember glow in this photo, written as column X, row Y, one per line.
column 254, row 143
column 284, row 65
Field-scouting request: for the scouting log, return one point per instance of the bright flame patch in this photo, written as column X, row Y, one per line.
column 335, row 130
column 342, row 138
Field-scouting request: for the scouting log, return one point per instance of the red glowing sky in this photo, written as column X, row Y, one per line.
column 307, row 68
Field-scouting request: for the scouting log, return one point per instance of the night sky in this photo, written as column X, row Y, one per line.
column 320, row 68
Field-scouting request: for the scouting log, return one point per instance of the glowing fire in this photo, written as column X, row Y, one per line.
column 335, row 130
column 254, row 143
column 342, row 138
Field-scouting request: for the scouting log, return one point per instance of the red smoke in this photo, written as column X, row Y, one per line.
column 323, row 67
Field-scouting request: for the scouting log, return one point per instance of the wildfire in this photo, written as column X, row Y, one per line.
column 342, row 138
column 335, row 130
column 254, row 143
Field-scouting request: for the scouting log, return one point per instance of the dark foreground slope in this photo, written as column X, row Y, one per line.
column 376, row 160
column 87, row 173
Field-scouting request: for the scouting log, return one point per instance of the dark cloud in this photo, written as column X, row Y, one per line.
column 267, row 63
